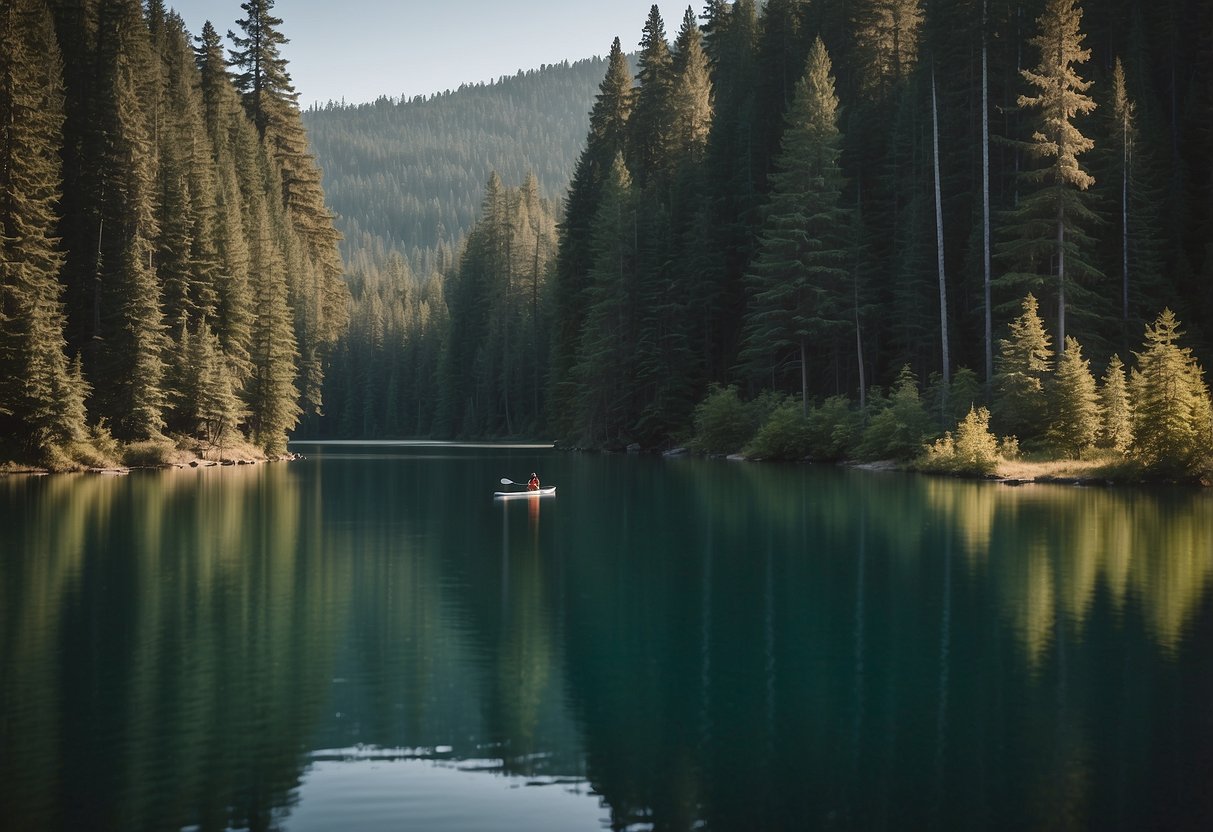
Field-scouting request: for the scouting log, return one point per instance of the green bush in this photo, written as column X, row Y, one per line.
column 974, row 450
column 833, row 429
column 784, row 435
column 104, row 443
column 723, row 422
column 899, row 425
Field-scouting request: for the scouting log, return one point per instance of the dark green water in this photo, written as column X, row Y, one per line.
column 366, row 640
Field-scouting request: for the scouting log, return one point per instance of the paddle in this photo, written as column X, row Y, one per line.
column 504, row 481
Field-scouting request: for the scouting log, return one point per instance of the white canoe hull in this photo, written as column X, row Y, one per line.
column 513, row 495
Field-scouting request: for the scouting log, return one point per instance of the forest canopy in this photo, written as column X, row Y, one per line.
column 169, row 266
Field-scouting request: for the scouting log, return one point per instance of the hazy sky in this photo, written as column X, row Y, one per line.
column 361, row 49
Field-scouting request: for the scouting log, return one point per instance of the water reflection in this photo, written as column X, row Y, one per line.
column 724, row 647
column 158, row 672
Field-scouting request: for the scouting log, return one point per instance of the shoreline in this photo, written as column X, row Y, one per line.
column 21, row 469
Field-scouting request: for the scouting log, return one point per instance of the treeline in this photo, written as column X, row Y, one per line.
column 802, row 200
column 460, row 355
column 169, row 266
column 830, row 225
column 1153, row 420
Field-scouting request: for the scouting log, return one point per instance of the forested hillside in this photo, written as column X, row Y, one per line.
column 408, row 176
column 170, row 272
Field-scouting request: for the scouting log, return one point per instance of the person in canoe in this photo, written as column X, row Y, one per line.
column 533, row 482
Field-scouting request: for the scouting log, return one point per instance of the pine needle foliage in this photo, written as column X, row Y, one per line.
column 1046, row 233
column 1172, row 422
column 798, row 284
column 1116, row 431
column 1024, row 362
column 41, row 395
column 1075, row 421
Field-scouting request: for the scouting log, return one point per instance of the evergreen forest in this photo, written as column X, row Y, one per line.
column 950, row 230
column 169, row 266
column 839, row 226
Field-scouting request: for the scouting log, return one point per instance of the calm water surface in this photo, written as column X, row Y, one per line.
column 366, row 640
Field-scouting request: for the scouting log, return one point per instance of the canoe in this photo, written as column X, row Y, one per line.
column 512, row 495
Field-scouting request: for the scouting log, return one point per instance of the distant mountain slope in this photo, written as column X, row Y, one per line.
column 406, row 176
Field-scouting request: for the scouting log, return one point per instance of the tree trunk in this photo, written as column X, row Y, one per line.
column 1124, row 224
column 985, row 191
column 863, row 391
column 804, row 376
column 1061, row 274
column 943, row 286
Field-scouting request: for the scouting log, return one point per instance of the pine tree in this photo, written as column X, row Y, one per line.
column 1023, row 365
column 735, row 175
column 188, row 182
column 651, row 125
column 180, row 379
column 1172, row 431
column 607, row 139
column 479, row 299
column 798, row 282
column 232, row 137
column 317, row 290
column 887, row 34
column 263, row 80
column 691, row 293
column 899, row 429
column 128, row 325
column 1045, row 231
column 41, row 396
column 1075, row 422
column 692, row 93
column 1117, row 429
column 76, row 33
column 271, row 393
column 781, row 50
column 605, row 366
column 219, row 409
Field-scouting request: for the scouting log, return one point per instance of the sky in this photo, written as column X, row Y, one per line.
column 358, row 50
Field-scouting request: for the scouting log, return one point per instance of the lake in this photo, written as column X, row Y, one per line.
column 365, row 640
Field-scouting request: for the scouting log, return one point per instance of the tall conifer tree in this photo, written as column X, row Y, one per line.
column 736, row 177
column 607, row 139
column 651, row 124
column 887, row 38
column 41, row 399
column 1045, row 231
column 1172, row 430
column 605, row 368
column 1024, row 363
column 318, row 292
column 799, row 294
column 232, row 137
column 127, row 320
column 1075, row 421
column 1116, row 430
column 271, row 391
column 692, row 94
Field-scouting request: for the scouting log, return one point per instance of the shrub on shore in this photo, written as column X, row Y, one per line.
column 973, row 450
